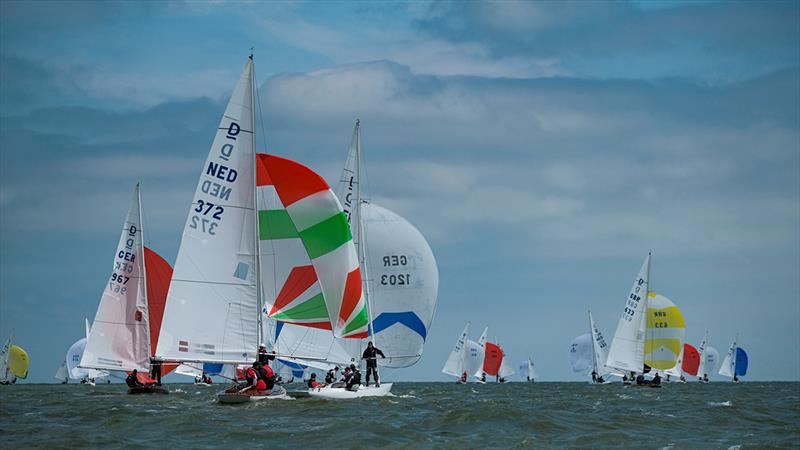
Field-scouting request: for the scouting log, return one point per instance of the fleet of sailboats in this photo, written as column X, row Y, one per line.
column 272, row 256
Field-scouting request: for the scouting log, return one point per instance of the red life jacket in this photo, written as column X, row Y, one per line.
column 251, row 374
column 270, row 373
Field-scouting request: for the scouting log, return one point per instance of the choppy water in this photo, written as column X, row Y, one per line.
column 420, row 415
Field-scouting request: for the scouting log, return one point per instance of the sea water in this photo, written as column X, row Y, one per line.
column 418, row 415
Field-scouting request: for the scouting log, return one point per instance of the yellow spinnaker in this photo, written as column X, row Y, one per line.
column 18, row 362
column 665, row 333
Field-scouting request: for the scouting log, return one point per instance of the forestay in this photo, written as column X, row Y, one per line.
column 627, row 348
column 119, row 338
column 212, row 307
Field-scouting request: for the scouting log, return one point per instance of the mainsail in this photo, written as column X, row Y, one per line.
column 599, row 349
column 456, row 362
column 119, row 338
column 212, row 308
column 627, row 348
column 728, row 367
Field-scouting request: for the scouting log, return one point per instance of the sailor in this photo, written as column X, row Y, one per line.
column 206, row 378
column 133, row 380
column 268, row 375
column 657, row 379
column 155, row 370
column 330, row 377
column 483, row 377
column 594, row 377
column 600, row 380
column 313, row 383
column 735, row 379
column 263, row 357
column 355, row 379
column 371, row 355
column 251, row 376
column 640, row 379
column 682, row 379
column 705, row 378
column 464, row 377
column 667, row 378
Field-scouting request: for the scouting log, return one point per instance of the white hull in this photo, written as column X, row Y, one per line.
column 342, row 393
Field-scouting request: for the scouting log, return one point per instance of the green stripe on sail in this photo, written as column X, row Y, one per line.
column 358, row 321
column 275, row 224
column 313, row 308
column 326, row 236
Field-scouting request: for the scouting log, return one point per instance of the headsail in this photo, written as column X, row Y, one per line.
column 691, row 359
column 627, row 348
column 665, row 333
column 119, row 338
column 18, row 361
column 580, row 353
column 741, row 362
column 701, row 349
column 300, row 208
column 404, row 282
column 212, row 307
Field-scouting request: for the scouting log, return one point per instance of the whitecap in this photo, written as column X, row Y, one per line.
column 728, row 403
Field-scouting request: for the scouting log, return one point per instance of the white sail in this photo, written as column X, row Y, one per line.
column 61, row 374
column 701, row 350
column 456, row 362
column 627, row 348
column 599, row 348
column 476, row 352
column 190, row 370
column 403, row 285
column 677, row 370
column 506, row 370
column 711, row 360
column 581, row 357
column 4, row 353
column 348, row 189
column 120, row 336
column 728, row 366
column 526, row 369
column 212, row 307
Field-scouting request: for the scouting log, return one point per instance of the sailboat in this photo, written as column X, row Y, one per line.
column 62, row 375
column 505, row 370
column 214, row 308
column 526, row 368
column 13, row 363
column 73, row 359
column 127, row 322
column 476, row 356
column 588, row 354
column 456, row 364
column 735, row 363
column 399, row 274
column 709, row 357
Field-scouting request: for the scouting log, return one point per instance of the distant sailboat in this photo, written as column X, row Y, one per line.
column 125, row 327
column 62, row 375
column 526, row 368
column 735, row 363
column 13, row 363
column 456, row 364
column 709, row 358
column 73, row 359
column 588, row 354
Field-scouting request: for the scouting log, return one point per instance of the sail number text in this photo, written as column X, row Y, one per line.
column 124, row 263
column 208, row 219
column 402, row 279
column 633, row 301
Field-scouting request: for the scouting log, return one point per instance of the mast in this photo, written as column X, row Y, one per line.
column 362, row 242
column 257, row 240
column 144, row 272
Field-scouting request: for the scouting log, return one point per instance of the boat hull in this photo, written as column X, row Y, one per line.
column 233, row 398
column 331, row 393
column 148, row 390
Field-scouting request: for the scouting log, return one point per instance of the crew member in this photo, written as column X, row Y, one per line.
column 371, row 355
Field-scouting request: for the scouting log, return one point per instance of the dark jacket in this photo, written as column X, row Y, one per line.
column 370, row 354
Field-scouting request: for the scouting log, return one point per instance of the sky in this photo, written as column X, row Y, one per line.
column 543, row 148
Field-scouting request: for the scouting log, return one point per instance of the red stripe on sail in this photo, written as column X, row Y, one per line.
column 359, row 335
column 352, row 293
column 292, row 180
column 492, row 360
column 691, row 359
column 159, row 274
column 320, row 325
column 262, row 174
column 299, row 280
